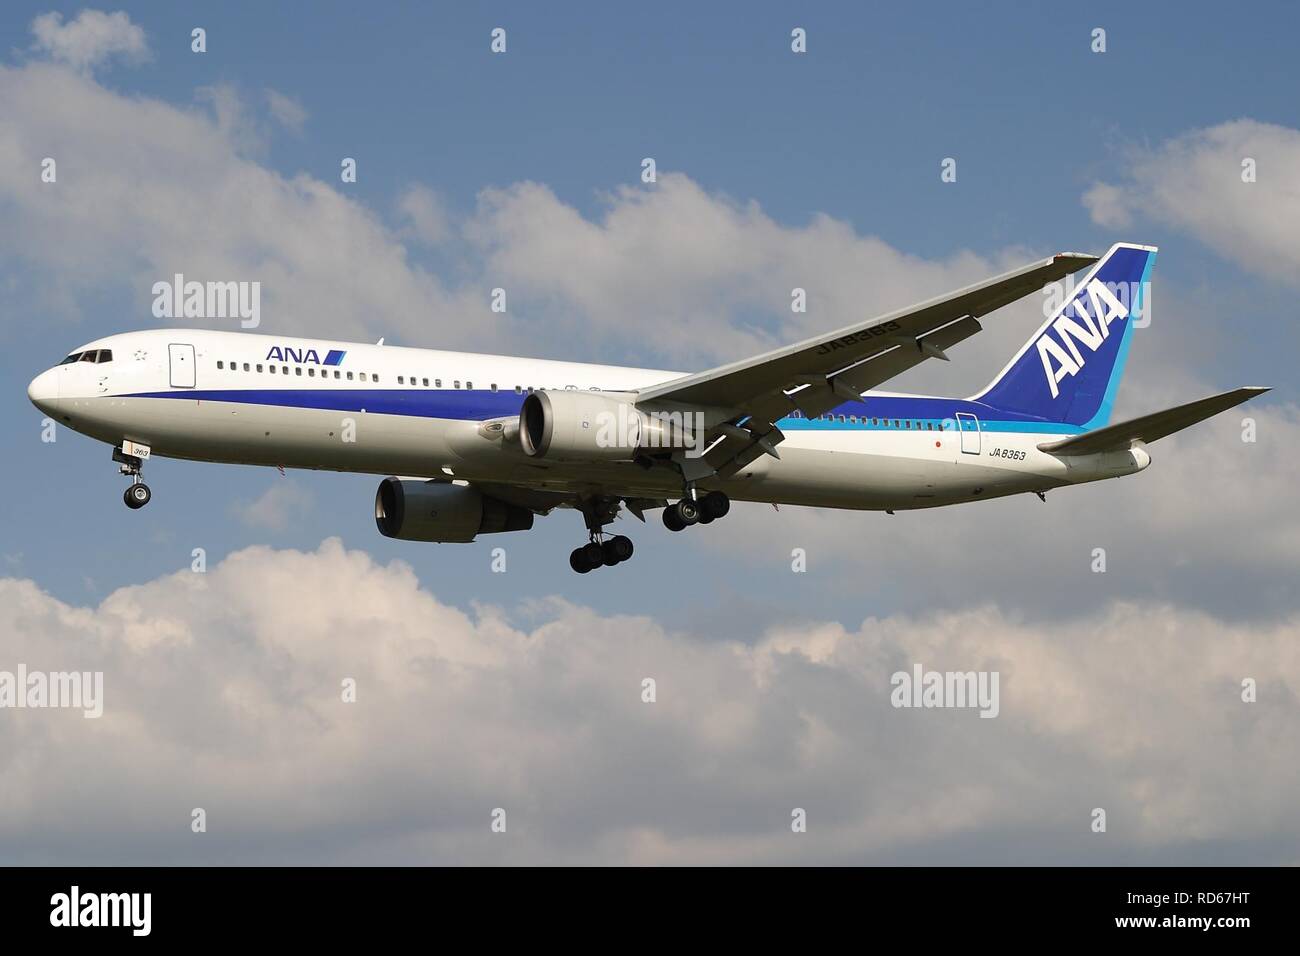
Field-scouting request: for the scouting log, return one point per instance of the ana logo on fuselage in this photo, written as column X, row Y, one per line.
column 1062, row 358
column 287, row 354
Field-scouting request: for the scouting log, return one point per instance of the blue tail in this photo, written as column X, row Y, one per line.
column 1069, row 370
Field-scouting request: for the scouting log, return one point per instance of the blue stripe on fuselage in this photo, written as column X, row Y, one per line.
column 478, row 405
column 461, row 405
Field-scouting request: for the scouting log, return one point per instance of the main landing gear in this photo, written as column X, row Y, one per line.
column 606, row 553
column 601, row 551
column 702, row 509
column 137, row 494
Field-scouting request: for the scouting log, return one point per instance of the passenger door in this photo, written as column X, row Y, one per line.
column 182, row 365
column 969, row 426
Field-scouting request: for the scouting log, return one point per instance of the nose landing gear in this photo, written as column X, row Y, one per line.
column 137, row 495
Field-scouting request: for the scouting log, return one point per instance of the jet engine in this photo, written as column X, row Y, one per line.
column 414, row 510
column 574, row 425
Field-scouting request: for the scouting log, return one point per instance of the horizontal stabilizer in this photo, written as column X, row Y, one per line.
column 1149, row 428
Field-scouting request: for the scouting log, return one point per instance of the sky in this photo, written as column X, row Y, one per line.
column 522, row 690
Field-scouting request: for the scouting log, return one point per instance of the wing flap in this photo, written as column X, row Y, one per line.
column 883, row 366
column 1149, row 428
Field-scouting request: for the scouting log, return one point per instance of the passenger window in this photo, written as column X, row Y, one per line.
column 374, row 378
column 457, row 383
column 220, row 364
column 311, row 373
column 259, row 368
column 297, row 370
column 400, row 380
column 494, row 386
column 841, row 419
column 363, row 376
column 469, row 384
column 271, row 369
column 245, row 366
column 426, row 382
column 284, row 370
column 337, row 374
column 519, row 389
column 349, row 376
column 437, row 383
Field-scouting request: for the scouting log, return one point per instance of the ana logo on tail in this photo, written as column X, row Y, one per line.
column 1090, row 330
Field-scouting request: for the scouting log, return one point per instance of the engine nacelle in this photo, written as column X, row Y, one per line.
column 574, row 425
column 438, row 511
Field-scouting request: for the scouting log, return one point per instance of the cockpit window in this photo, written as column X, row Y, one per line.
column 94, row 356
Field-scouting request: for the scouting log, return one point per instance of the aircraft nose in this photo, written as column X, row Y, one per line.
column 44, row 390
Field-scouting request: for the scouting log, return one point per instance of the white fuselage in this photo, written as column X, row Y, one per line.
column 269, row 400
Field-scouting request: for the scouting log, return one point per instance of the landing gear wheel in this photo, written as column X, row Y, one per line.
column 688, row 511
column 616, row 550
column 578, row 560
column 137, row 496
column 593, row 555
column 672, row 520
column 713, row 506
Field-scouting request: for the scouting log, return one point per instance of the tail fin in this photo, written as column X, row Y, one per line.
column 1069, row 370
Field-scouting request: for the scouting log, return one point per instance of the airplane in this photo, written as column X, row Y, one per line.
column 482, row 444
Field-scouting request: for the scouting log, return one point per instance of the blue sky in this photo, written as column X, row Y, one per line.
column 821, row 167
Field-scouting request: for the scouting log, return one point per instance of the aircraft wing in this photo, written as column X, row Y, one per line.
column 1149, row 428
column 821, row 372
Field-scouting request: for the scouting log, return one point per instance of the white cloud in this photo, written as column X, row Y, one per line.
column 1106, row 204
column 276, row 508
column 89, row 40
column 286, row 110
column 146, row 189
column 1194, row 182
column 711, row 276
column 222, row 690
column 426, row 217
